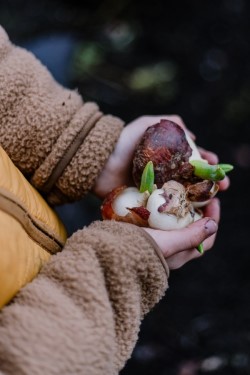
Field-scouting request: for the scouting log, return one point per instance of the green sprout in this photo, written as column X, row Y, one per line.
column 147, row 178
column 210, row 172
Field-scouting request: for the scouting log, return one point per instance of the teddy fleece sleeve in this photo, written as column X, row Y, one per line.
column 83, row 311
column 56, row 139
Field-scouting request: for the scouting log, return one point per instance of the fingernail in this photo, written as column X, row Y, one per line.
column 211, row 226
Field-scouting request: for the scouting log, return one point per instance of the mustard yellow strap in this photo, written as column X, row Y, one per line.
column 35, row 230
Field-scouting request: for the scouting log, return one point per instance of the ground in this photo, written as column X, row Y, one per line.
column 184, row 57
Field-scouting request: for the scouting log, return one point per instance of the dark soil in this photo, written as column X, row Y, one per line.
column 193, row 55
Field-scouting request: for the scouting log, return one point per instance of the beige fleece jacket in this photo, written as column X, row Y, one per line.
column 81, row 314
column 59, row 142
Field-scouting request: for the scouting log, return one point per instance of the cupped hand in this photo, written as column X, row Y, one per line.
column 117, row 170
column 179, row 246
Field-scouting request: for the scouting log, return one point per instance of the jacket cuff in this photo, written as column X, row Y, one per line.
column 157, row 250
column 5, row 43
column 78, row 156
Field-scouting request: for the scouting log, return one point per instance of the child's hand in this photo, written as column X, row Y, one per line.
column 117, row 170
column 179, row 246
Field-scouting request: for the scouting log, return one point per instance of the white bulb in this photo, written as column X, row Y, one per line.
column 129, row 198
column 168, row 220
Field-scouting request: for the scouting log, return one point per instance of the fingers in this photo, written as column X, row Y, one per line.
column 203, row 232
column 174, row 241
column 211, row 157
column 178, row 260
column 212, row 210
column 179, row 246
column 224, row 184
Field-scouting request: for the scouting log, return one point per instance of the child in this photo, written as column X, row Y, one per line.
column 82, row 312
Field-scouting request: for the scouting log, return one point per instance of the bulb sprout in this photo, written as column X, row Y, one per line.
column 147, row 178
column 210, row 172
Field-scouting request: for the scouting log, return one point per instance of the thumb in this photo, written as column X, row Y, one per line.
column 174, row 241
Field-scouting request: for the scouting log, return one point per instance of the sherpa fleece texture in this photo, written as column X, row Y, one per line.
column 81, row 314
column 44, row 124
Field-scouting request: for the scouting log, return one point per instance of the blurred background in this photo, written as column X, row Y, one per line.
column 185, row 57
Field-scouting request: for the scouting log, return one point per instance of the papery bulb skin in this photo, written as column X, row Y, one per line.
column 126, row 204
column 107, row 210
column 129, row 198
column 169, row 208
column 201, row 192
